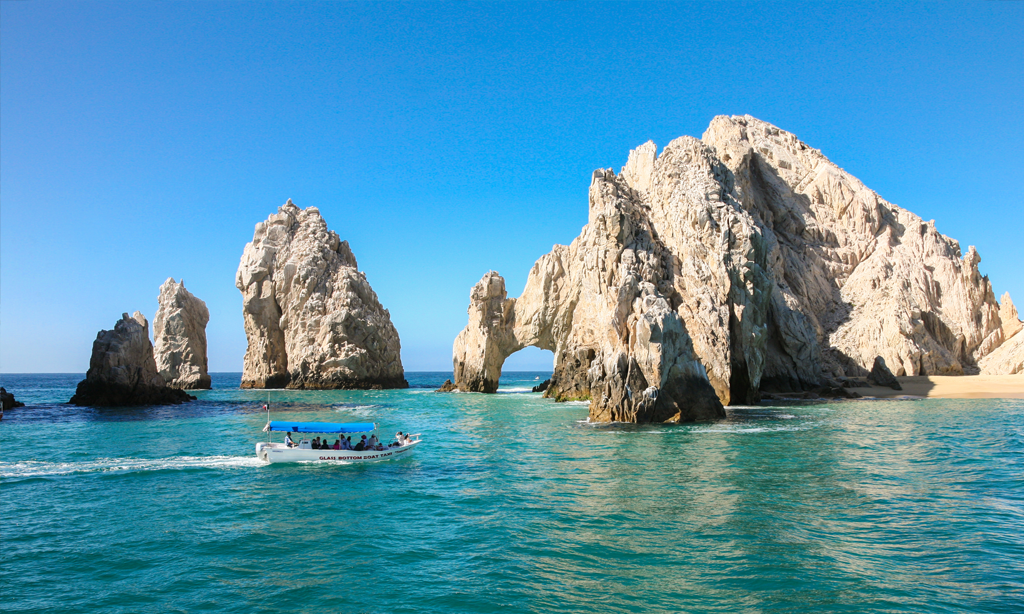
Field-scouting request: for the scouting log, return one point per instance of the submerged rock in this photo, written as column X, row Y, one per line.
column 179, row 332
column 543, row 386
column 742, row 262
column 7, row 400
column 122, row 370
column 311, row 318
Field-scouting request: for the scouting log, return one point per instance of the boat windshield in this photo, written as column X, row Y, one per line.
column 319, row 427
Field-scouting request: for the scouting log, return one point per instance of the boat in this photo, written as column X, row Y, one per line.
column 279, row 452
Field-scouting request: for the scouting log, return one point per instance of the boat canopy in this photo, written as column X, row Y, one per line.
column 320, row 427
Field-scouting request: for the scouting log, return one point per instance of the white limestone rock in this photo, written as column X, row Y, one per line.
column 870, row 278
column 179, row 333
column 311, row 318
column 1008, row 357
column 745, row 261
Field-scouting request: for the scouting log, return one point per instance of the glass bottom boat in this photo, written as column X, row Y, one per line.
column 297, row 447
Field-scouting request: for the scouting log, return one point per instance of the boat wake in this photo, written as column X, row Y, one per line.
column 39, row 469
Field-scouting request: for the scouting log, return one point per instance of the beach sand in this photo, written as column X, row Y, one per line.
column 953, row 387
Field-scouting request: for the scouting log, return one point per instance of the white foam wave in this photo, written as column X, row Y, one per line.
column 37, row 469
column 515, row 390
column 754, row 429
column 576, row 403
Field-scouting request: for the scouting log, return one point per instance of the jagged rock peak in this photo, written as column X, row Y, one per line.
column 869, row 277
column 179, row 333
column 1009, row 317
column 745, row 261
column 311, row 318
column 122, row 370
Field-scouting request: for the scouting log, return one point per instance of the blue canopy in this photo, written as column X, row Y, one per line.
column 320, row 427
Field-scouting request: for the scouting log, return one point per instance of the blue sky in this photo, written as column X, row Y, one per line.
column 140, row 141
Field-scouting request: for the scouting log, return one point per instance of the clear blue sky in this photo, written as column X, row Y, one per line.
column 143, row 140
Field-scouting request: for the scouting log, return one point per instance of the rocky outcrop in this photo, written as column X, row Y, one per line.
column 867, row 277
column 1008, row 358
column 1009, row 317
column 447, row 386
column 122, row 370
column 880, row 375
column 7, row 400
column 311, row 318
column 742, row 262
column 179, row 333
column 541, row 387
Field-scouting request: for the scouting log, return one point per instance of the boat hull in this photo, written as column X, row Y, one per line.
column 278, row 453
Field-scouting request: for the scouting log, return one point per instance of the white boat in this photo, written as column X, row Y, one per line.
column 302, row 450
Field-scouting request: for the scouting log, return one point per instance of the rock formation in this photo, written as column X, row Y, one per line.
column 1008, row 358
column 179, row 333
column 7, row 400
column 742, row 262
column 881, row 375
column 122, row 370
column 311, row 318
column 1008, row 315
column 447, row 386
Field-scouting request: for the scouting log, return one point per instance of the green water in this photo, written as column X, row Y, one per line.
column 513, row 503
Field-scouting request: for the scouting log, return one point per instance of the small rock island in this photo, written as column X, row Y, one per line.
column 122, row 370
column 311, row 318
column 740, row 263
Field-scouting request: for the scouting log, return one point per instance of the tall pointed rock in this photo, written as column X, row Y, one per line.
column 311, row 318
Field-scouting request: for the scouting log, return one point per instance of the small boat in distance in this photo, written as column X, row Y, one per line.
column 302, row 450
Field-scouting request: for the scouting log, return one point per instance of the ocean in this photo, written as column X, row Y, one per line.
column 513, row 503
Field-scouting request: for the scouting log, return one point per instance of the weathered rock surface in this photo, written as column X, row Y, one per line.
column 179, row 333
column 745, row 261
column 122, row 370
column 1009, row 316
column 7, row 400
column 311, row 318
column 541, row 387
column 880, row 375
column 1008, row 358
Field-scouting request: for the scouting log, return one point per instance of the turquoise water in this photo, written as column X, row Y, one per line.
column 513, row 503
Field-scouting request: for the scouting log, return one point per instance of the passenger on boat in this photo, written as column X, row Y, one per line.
column 288, row 440
column 325, row 445
column 346, row 443
column 361, row 444
column 372, row 443
column 398, row 437
column 408, row 440
column 337, row 444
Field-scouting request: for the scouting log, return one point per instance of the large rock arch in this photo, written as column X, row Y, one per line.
column 742, row 262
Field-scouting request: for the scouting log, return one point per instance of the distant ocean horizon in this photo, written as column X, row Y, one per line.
column 513, row 503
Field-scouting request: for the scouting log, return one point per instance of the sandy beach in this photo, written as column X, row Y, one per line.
column 953, row 387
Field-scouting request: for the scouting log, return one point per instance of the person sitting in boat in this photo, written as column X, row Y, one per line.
column 337, row 444
column 399, row 442
column 373, row 442
column 288, row 440
column 408, row 440
column 361, row 444
column 325, row 445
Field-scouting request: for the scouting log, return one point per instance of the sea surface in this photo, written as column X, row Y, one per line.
column 513, row 503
